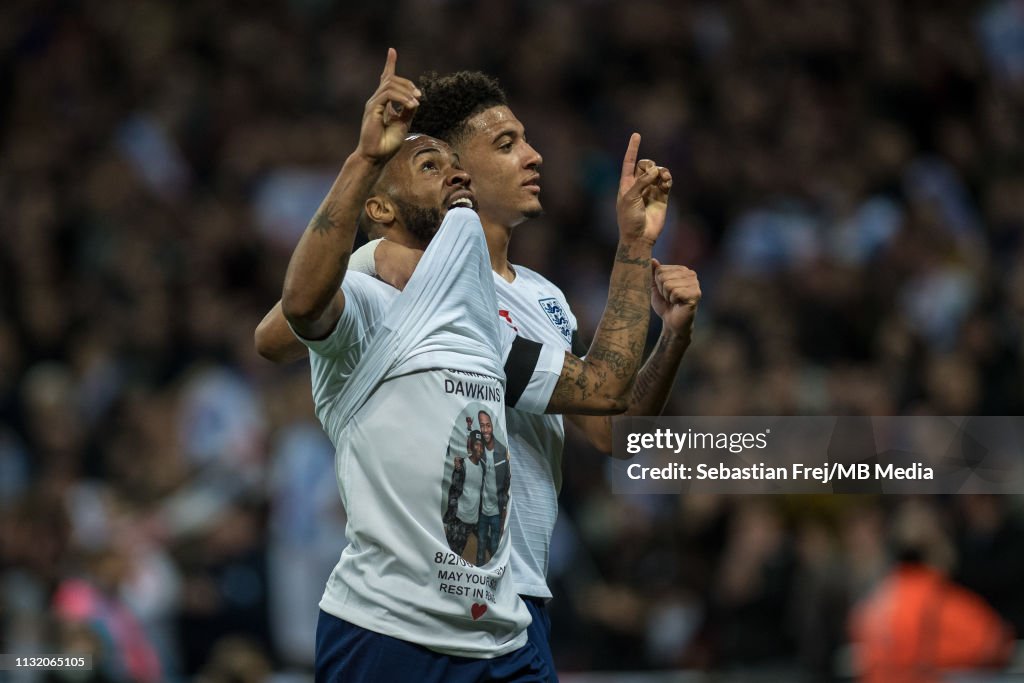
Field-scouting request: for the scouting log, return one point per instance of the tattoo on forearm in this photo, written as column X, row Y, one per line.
column 644, row 379
column 626, row 308
column 572, row 385
column 325, row 220
column 620, row 364
column 654, row 381
column 609, row 371
column 622, row 256
column 613, row 360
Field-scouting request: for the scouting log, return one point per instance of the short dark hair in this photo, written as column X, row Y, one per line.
column 448, row 102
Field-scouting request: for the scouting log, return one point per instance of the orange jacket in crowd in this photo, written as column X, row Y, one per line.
column 918, row 623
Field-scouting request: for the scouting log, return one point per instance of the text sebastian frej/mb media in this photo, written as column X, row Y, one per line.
column 666, row 439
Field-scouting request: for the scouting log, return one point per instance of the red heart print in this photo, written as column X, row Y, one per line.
column 478, row 610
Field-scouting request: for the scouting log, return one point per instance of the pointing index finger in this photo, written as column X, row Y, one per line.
column 629, row 161
column 389, row 63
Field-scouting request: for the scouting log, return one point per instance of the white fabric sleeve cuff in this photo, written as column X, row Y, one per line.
column 362, row 261
column 537, row 394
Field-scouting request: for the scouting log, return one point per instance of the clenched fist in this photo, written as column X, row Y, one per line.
column 675, row 294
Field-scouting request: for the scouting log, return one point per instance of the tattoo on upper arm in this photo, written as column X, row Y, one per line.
column 325, row 220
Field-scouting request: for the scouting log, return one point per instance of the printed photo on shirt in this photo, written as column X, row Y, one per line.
column 476, row 484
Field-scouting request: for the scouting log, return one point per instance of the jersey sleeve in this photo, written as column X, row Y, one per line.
column 362, row 309
column 362, row 261
column 532, row 370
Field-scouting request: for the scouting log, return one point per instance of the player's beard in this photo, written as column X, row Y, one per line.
column 422, row 223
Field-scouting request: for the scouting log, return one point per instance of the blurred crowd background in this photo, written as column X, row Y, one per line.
column 849, row 185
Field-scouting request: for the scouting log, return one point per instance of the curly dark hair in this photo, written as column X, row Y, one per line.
column 448, row 102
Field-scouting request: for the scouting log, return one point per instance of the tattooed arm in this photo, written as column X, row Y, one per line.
column 675, row 294
column 600, row 383
column 311, row 301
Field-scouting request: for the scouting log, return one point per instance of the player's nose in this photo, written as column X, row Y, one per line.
column 533, row 158
column 458, row 177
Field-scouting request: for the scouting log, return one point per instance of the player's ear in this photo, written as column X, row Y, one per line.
column 380, row 210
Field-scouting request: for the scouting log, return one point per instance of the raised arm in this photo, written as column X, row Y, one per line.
column 675, row 294
column 311, row 300
column 600, row 383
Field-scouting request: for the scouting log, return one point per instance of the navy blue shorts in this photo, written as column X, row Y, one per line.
column 346, row 653
column 539, row 631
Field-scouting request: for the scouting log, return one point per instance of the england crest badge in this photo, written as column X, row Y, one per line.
column 556, row 314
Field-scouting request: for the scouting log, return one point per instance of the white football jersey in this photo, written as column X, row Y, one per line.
column 409, row 571
column 536, row 309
